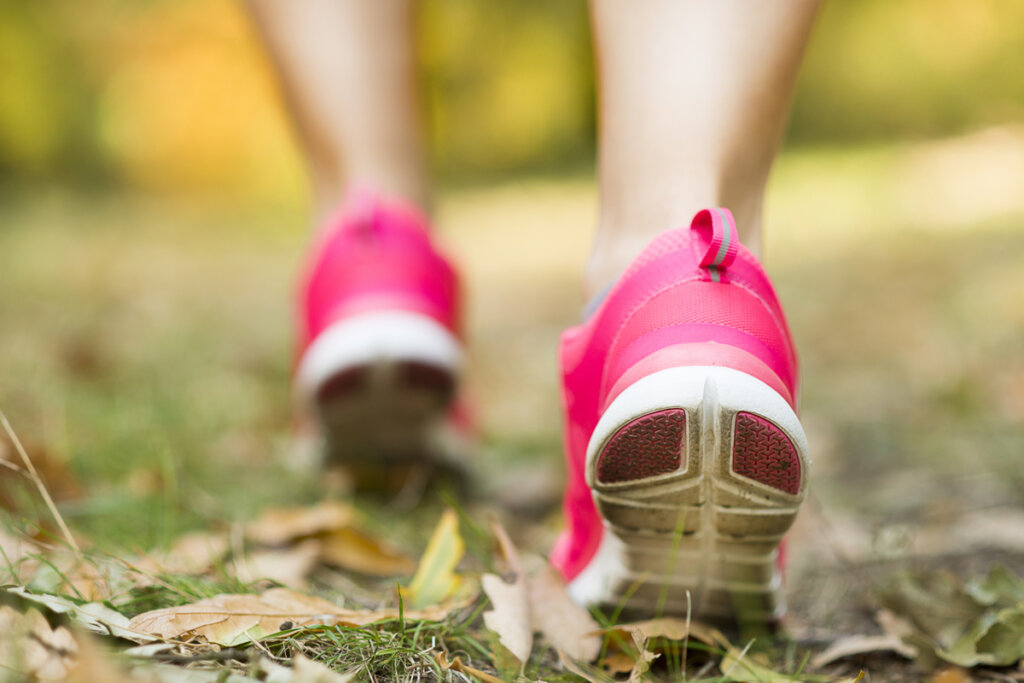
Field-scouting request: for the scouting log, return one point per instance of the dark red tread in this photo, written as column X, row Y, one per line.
column 645, row 447
column 761, row 451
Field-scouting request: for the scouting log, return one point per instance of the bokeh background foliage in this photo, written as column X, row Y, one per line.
column 175, row 95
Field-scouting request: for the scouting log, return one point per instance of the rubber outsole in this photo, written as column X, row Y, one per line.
column 697, row 472
column 385, row 413
column 381, row 386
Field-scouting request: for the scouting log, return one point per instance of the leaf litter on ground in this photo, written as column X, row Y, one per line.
column 934, row 617
column 231, row 620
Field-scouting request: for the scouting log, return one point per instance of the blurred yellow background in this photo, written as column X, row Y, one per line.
column 176, row 95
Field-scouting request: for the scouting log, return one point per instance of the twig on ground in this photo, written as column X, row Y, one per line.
column 34, row 476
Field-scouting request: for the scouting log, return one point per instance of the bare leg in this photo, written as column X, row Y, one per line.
column 349, row 74
column 694, row 100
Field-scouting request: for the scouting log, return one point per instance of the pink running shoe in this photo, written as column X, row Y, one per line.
column 379, row 339
column 686, row 460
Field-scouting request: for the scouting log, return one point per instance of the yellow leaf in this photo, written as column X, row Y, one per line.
column 435, row 578
column 353, row 550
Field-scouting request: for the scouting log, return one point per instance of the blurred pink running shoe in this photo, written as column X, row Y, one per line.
column 379, row 343
column 686, row 460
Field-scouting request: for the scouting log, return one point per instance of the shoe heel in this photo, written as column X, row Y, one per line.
column 697, row 472
column 381, row 385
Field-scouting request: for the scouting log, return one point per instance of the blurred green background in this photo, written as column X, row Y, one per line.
column 175, row 95
column 153, row 212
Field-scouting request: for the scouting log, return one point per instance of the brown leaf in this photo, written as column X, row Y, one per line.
column 282, row 525
column 234, row 619
column 93, row 665
column 658, row 635
column 563, row 623
column 195, row 552
column 305, row 670
column 510, row 618
column 644, row 657
column 28, row 645
column 673, row 628
column 353, row 550
column 859, row 645
column 952, row 674
column 457, row 665
column 588, row 672
column 287, row 566
column 508, row 554
column 93, row 616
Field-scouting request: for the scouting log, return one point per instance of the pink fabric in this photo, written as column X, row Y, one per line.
column 671, row 295
column 717, row 229
column 375, row 255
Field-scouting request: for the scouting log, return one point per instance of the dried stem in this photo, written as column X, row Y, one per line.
column 34, row 476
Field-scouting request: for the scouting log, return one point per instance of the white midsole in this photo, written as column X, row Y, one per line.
column 684, row 387
column 377, row 337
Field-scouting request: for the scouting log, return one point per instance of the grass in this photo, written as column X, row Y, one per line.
column 146, row 353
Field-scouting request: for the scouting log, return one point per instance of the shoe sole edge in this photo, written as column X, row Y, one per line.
column 701, row 539
column 381, row 385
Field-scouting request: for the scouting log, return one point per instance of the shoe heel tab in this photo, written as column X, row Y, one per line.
column 365, row 208
column 715, row 230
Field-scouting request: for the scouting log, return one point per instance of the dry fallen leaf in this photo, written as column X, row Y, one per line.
column 289, row 566
column 953, row 674
column 586, row 671
column 563, row 623
column 353, row 550
column 92, row 665
column 457, row 665
column 435, row 578
column 858, row 645
column 644, row 658
column 28, row 645
column 341, row 544
column 195, row 552
column 93, row 616
column 670, row 628
column 283, row 525
column 531, row 597
column 666, row 633
column 738, row 665
column 307, row 671
column 302, row 670
column 510, row 617
column 235, row 619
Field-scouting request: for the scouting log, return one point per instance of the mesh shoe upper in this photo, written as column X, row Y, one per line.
column 375, row 255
